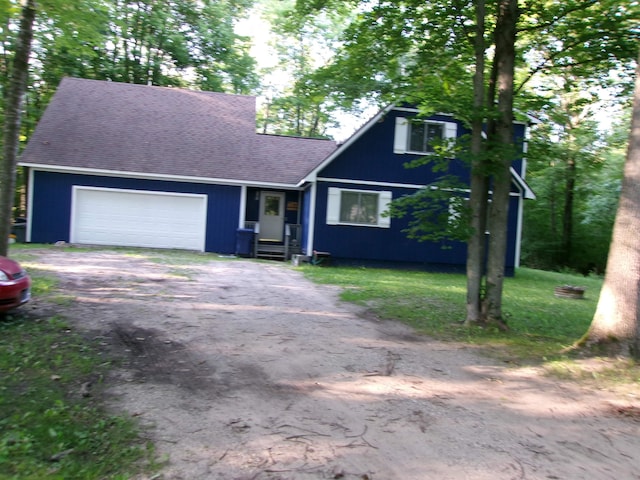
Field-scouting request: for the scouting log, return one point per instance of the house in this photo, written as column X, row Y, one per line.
column 121, row 164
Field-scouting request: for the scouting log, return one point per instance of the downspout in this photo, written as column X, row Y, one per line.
column 516, row 262
column 29, row 205
column 312, row 218
column 243, row 206
column 521, row 199
column 525, row 150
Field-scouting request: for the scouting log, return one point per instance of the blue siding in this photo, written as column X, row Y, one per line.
column 512, row 233
column 371, row 158
column 292, row 199
column 51, row 207
column 252, row 213
column 354, row 244
column 372, row 244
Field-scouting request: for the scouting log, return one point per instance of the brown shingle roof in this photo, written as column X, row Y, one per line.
column 122, row 127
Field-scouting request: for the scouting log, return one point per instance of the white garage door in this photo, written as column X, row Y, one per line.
column 137, row 218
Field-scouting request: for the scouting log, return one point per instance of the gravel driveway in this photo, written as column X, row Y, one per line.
column 246, row 370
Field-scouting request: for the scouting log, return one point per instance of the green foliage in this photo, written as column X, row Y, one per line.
column 541, row 325
column 303, row 44
column 438, row 213
column 148, row 42
column 48, row 429
column 559, row 154
column 589, row 38
column 396, row 50
column 422, row 52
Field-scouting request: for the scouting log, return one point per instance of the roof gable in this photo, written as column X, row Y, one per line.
column 110, row 126
column 391, row 111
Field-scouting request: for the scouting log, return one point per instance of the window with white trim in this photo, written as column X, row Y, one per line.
column 423, row 135
column 419, row 137
column 358, row 207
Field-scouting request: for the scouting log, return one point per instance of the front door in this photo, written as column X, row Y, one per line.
column 272, row 216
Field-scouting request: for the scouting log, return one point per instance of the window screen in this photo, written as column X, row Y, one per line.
column 359, row 207
column 422, row 135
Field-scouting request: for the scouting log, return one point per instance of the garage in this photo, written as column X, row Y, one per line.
column 137, row 218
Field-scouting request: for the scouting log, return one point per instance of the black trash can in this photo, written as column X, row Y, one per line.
column 19, row 229
column 244, row 242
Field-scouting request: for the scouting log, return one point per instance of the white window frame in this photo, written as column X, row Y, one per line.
column 403, row 134
column 334, row 200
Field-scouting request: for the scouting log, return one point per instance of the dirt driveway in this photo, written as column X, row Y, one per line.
column 245, row 370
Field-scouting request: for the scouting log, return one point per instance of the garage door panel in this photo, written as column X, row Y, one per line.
column 138, row 218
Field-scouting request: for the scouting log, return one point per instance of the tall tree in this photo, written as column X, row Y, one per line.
column 569, row 161
column 302, row 44
column 479, row 183
column 419, row 53
column 617, row 318
column 12, row 118
column 502, row 132
column 177, row 42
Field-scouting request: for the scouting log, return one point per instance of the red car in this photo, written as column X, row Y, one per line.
column 15, row 285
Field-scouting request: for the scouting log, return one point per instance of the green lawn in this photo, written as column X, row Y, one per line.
column 541, row 325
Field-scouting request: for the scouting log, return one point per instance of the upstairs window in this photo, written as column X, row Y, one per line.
column 423, row 135
column 416, row 137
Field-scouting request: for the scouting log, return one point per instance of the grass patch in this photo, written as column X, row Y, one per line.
column 541, row 325
column 49, row 427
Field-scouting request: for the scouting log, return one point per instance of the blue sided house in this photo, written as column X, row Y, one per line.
column 131, row 165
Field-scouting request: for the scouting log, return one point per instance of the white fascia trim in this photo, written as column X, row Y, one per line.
column 415, row 110
column 155, row 176
column 411, row 186
column 370, row 183
column 526, row 189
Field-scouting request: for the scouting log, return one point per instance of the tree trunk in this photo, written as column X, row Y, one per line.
column 566, row 245
column 615, row 323
column 505, row 37
column 12, row 119
column 478, row 197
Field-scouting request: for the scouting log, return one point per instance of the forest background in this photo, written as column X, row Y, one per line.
column 284, row 54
